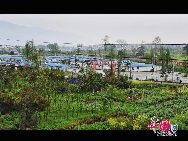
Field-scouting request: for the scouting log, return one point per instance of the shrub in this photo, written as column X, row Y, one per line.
column 119, row 123
column 141, row 122
column 122, row 82
column 30, row 102
column 91, row 82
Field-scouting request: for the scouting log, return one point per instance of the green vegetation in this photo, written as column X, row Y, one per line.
column 43, row 99
column 178, row 56
column 54, row 48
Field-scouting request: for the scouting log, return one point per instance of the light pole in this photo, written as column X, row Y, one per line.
column 130, row 71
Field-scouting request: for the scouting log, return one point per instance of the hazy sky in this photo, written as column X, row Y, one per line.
column 133, row 28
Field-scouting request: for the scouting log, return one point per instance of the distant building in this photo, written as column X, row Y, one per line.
column 139, row 67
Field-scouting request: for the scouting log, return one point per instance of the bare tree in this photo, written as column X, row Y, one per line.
column 121, row 53
column 122, row 44
column 156, row 42
column 140, row 51
column 106, row 39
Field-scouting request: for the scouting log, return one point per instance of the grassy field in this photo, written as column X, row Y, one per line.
column 179, row 57
column 116, row 108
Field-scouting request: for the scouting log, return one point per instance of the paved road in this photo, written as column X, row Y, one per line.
column 154, row 75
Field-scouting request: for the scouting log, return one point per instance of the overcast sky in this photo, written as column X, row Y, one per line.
column 133, row 28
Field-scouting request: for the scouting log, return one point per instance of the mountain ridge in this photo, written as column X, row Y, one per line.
column 23, row 33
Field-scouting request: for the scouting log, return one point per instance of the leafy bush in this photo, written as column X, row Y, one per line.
column 94, row 126
column 26, row 103
column 181, row 120
column 31, row 100
column 122, row 82
column 7, row 103
column 136, row 83
column 119, row 123
column 9, row 121
column 57, row 75
column 91, row 82
column 141, row 122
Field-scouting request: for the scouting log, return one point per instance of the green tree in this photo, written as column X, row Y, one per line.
column 167, row 58
column 54, row 48
column 162, row 58
column 140, row 51
column 91, row 81
column 112, row 52
column 134, row 51
column 157, row 42
column 111, row 55
column 100, row 52
column 31, row 54
column 78, row 51
column 152, row 56
column 186, row 49
column 37, row 57
column 28, row 50
column 79, row 46
column 11, row 53
column 120, row 58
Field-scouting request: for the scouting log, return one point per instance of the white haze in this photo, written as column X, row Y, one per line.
column 91, row 28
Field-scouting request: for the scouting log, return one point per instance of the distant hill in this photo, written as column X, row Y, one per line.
column 23, row 33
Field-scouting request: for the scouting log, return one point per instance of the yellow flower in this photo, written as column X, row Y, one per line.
column 122, row 124
column 136, row 126
column 112, row 121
